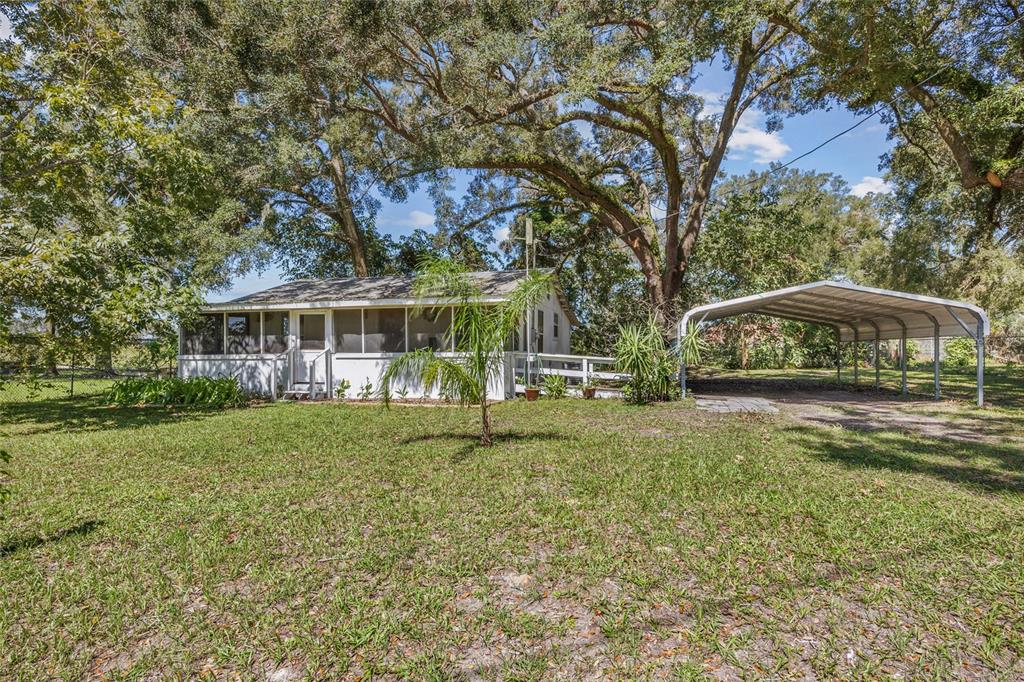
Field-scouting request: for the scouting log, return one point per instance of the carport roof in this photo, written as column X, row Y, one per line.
column 854, row 311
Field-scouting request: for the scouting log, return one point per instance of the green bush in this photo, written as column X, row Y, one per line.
column 193, row 392
column 960, row 352
column 554, row 386
column 652, row 366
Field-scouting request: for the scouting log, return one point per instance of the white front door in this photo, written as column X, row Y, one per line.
column 312, row 338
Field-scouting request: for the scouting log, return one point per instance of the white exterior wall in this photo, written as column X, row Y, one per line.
column 254, row 371
column 551, row 305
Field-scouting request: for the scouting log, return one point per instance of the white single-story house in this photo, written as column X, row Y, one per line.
column 348, row 329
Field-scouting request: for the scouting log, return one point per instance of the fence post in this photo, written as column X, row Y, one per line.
column 586, row 371
column 72, row 374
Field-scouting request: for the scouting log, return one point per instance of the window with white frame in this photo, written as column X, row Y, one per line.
column 430, row 328
column 243, row 333
column 312, row 331
column 204, row 336
column 348, row 331
column 539, row 331
column 384, row 330
column 275, row 331
column 554, row 325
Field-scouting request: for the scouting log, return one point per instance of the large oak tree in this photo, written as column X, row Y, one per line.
column 588, row 106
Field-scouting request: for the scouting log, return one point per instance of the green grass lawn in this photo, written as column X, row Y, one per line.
column 333, row 540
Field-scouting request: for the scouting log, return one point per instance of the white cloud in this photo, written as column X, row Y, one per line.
column 420, row 219
column 415, row 219
column 870, row 184
column 712, row 101
column 5, row 27
column 750, row 136
column 501, row 234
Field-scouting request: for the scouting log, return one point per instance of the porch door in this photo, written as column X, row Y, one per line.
column 312, row 342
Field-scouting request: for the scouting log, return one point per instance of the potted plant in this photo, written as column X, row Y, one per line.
column 589, row 389
column 532, row 392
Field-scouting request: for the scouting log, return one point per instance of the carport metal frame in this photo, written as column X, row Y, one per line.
column 805, row 303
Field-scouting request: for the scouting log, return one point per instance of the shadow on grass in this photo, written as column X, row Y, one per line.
column 81, row 529
column 89, row 414
column 948, row 460
column 471, row 441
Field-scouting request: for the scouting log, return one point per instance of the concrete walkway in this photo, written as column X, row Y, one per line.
column 723, row 403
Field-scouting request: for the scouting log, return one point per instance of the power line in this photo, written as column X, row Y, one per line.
column 899, row 95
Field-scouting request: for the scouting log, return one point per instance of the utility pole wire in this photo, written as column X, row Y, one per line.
column 899, row 95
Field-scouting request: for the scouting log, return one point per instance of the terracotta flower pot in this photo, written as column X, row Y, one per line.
column 532, row 394
column 589, row 392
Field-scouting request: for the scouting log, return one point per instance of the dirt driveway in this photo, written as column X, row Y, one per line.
column 867, row 409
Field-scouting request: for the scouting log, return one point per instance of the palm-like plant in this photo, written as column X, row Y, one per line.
column 480, row 330
column 641, row 352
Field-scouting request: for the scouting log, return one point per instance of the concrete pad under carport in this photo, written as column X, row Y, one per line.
column 857, row 410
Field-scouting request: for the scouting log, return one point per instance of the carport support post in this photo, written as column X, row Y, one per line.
column 903, row 360
column 935, row 361
column 839, row 359
column 979, row 341
column 875, row 356
column 856, row 355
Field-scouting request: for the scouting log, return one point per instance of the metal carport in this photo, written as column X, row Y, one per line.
column 859, row 314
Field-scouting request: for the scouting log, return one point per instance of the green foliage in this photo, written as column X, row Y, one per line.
column 554, row 386
column 653, row 367
column 341, row 390
column 112, row 221
column 193, row 392
column 960, row 352
column 481, row 331
column 692, row 346
column 366, row 391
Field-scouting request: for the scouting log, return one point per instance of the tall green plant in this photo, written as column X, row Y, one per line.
column 641, row 351
column 481, row 330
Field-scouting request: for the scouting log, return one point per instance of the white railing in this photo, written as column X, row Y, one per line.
column 577, row 369
column 273, row 373
column 311, row 369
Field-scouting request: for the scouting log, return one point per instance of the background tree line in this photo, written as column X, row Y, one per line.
column 152, row 150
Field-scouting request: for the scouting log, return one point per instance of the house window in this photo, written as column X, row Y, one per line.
column 430, row 329
column 554, row 325
column 243, row 333
column 204, row 336
column 312, row 334
column 384, row 330
column 540, row 331
column 348, row 331
column 275, row 332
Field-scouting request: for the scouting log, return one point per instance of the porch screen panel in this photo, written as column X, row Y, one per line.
column 430, row 328
column 275, row 332
column 312, row 331
column 243, row 333
column 384, row 330
column 205, row 336
column 348, row 331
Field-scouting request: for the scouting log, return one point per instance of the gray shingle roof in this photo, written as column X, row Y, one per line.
column 390, row 288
